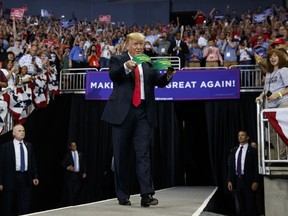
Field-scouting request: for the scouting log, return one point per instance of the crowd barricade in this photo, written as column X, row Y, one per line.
column 104, row 69
column 251, row 76
column 270, row 161
column 73, row 80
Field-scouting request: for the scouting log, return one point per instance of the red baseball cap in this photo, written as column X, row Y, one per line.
column 278, row 41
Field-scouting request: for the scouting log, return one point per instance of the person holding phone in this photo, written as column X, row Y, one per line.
column 32, row 61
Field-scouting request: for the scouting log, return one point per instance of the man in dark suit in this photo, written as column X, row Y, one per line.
column 179, row 48
column 131, row 109
column 75, row 171
column 18, row 173
column 243, row 176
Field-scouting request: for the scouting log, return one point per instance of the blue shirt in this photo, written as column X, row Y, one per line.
column 77, row 54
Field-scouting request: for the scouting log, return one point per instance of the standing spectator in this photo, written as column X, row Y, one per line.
column 107, row 50
column 261, row 47
column 32, row 61
column 162, row 44
column 10, row 70
column 179, row 48
column 276, row 93
column 75, row 172
column 258, row 33
column 229, row 50
column 243, row 176
column 212, row 55
column 148, row 49
column 93, row 58
column 245, row 53
column 2, row 51
column 200, row 18
column 195, row 55
column 131, row 110
column 16, row 49
column 18, row 173
column 3, row 80
column 77, row 57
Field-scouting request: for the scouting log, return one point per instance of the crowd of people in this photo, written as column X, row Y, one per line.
column 227, row 39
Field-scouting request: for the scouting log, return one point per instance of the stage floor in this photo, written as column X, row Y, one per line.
column 182, row 201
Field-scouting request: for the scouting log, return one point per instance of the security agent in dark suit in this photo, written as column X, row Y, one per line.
column 132, row 125
column 75, row 171
column 18, row 173
column 243, row 176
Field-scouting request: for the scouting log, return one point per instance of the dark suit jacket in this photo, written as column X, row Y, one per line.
column 251, row 173
column 68, row 161
column 8, row 164
column 120, row 100
column 182, row 53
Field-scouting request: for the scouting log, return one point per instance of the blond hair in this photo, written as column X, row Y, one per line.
column 135, row 36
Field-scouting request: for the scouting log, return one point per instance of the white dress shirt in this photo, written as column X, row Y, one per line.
column 17, row 155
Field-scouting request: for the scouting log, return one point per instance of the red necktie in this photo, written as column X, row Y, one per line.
column 136, row 100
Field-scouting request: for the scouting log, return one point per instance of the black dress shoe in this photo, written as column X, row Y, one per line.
column 148, row 200
column 124, row 202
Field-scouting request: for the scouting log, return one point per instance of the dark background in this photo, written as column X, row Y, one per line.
column 136, row 11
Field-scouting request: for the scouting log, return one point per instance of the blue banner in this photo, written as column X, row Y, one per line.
column 185, row 85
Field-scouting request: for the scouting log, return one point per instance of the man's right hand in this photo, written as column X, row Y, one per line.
column 1, row 187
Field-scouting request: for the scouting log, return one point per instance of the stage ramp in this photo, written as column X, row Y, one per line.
column 182, row 201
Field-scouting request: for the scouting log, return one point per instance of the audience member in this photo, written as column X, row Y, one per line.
column 93, row 58
column 107, row 50
column 212, row 55
column 179, row 48
column 162, row 44
column 32, row 61
column 77, row 57
column 18, row 173
column 276, row 93
column 229, row 50
column 3, row 80
column 195, row 55
column 149, row 50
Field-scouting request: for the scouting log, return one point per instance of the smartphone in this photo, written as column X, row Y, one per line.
column 269, row 93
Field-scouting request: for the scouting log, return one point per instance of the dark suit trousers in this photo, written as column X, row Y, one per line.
column 245, row 198
column 134, row 133
column 17, row 200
